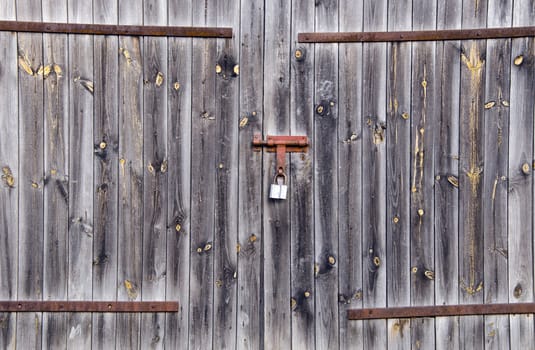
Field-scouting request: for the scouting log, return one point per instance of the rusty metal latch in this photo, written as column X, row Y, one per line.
column 88, row 306
column 281, row 145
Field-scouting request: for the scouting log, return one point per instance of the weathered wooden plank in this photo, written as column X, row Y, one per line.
column 446, row 150
column 179, row 161
column 154, row 174
column 301, row 182
column 56, row 186
column 496, row 169
column 80, row 175
column 130, row 225
column 226, row 206
column 276, row 218
column 398, row 133
column 203, row 165
column 471, row 272
column 325, row 180
column 425, row 95
column 250, row 319
column 105, row 173
column 374, row 174
column 9, row 178
column 520, row 177
column 31, row 170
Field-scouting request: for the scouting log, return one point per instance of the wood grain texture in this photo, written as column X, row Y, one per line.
column 226, row 206
column 497, row 335
column 31, row 170
column 105, row 173
column 9, row 178
column 520, row 177
column 203, row 169
column 155, row 165
column 398, row 217
column 250, row 318
column 325, row 180
column 447, row 167
column 179, row 87
column 276, row 216
column 374, row 174
column 131, row 169
column 302, row 183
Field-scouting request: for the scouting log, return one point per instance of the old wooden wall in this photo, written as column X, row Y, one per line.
column 128, row 174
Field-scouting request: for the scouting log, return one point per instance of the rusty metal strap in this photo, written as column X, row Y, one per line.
column 424, row 35
column 88, row 306
column 441, row 310
column 105, row 29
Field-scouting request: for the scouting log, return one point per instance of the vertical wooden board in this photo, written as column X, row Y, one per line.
column 446, row 150
column 350, row 177
column 105, row 174
column 31, row 170
column 203, row 168
column 179, row 177
column 55, row 73
column 301, row 181
column 226, row 206
column 250, row 318
column 9, row 177
column 326, row 179
column 471, row 174
column 276, row 219
column 154, row 174
column 398, row 173
column 425, row 97
column 130, row 225
column 520, row 177
column 374, row 174
column 80, row 174
column 496, row 169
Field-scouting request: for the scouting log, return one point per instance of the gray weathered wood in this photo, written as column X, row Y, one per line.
column 350, row 178
column 471, row 174
column 446, row 150
column 497, row 335
column 276, row 218
column 55, row 73
column 301, row 182
column 325, row 180
column 203, row 168
column 226, row 206
column 105, row 173
column 154, row 174
column 250, row 318
column 179, row 177
column 9, row 177
column 520, row 177
column 80, row 255
column 398, row 133
column 31, row 170
column 131, row 169
column 374, row 174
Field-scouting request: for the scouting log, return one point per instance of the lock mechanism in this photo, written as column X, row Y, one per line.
column 280, row 145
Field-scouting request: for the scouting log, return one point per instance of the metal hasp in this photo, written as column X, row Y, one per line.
column 88, row 306
column 440, row 311
column 422, row 35
column 110, row 29
column 281, row 145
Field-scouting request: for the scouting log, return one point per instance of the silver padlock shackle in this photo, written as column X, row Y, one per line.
column 280, row 174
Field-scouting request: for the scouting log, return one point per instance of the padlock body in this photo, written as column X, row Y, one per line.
column 283, row 191
column 277, row 191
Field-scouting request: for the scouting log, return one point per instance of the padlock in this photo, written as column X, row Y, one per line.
column 278, row 190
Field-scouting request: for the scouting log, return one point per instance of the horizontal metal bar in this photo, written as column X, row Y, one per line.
column 424, row 35
column 88, row 306
column 441, row 310
column 105, row 29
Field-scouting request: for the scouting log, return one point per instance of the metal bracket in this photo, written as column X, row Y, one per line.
column 281, row 145
column 88, row 306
